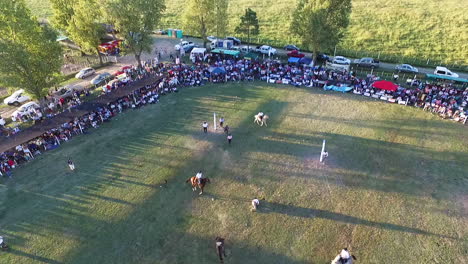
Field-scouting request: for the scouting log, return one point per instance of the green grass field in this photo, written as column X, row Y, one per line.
column 393, row 189
column 404, row 31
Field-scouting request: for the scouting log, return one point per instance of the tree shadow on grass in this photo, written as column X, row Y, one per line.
column 291, row 210
column 33, row 258
column 60, row 204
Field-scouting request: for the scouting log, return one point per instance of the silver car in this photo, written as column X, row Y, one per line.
column 406, row 68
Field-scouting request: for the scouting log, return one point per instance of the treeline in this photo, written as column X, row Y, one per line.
column 30, row 56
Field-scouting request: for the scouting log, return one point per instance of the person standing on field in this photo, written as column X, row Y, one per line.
column 205, row 126
column 229, row 138
column 221, row 121
column 71, row 165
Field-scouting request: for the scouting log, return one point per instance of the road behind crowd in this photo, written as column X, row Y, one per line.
column 165, row 45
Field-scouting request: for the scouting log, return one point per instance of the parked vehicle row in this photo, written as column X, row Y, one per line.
column 86, row 72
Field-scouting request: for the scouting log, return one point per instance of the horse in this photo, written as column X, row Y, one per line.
column 220, row 249
column 194, row 181
column 261, row 121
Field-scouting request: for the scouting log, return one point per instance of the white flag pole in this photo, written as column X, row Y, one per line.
column 323, row 151
column 214, row 121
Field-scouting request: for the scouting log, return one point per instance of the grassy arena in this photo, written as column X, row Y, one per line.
column 393, row 189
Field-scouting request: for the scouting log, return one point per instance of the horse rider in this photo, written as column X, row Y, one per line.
column 199, row 176
column 3, row 245
column 255, row 204
column 260, row 115
column 343, row 258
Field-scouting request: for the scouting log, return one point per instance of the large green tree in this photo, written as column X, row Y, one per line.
column 84, row 28
column 135, row 21
column 199, row 18
column 63, row 12
column 320, row 24
column 30, row 57
column 79, row 19
column 248, row 25
column 221, row 17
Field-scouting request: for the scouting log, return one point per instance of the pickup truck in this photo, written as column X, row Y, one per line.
column 186, row 45
column 266, row 50
column 367, row 62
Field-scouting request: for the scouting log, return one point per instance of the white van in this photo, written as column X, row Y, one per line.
column 442, row 71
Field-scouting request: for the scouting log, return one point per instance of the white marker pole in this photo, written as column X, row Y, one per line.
column 323, row 150
column 214, row 121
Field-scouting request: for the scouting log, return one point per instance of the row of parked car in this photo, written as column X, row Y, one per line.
column 20, row 97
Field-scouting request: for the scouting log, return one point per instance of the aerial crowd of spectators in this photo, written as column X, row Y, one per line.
column 445, row 100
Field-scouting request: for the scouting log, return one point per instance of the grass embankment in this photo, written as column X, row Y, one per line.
column 393, row 188
column 421, row 32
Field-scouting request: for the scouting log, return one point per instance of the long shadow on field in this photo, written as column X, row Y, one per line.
column 268, row 207
column 357, row 162
column 33, row 258
column 151, row 230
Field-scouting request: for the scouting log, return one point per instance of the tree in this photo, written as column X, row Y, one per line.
column 30, row 56
column 320, row 24
column 248, row 24
column 221, row 17
column 63, row 13
column 135, row 21
column 84, row 29
column 199, row 18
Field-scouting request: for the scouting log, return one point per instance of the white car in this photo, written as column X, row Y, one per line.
column 85, row 73
column 211, row 38
column 442, row 71
column 266, row 50
column 25, row 109
column 406, row 68
column 186, row 45
column 16, row 98
column 341, row 60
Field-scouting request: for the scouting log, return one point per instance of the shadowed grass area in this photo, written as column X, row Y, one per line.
column 394, row 186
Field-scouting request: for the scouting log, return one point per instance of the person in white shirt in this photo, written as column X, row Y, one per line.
column 221, row 121
column 199, row 176
column 205, row 126
column 255, row 204
column 229, row 138
column 344, row 257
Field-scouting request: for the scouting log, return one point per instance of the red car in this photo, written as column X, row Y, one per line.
column 296, row 54
column 122, row 70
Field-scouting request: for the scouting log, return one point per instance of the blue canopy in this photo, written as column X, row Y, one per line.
column 293, row 60
column 434, row 76
column 217, row 70
column 305, row 61
column 342, row 89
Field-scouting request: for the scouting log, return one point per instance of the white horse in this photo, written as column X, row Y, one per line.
column 260, row 121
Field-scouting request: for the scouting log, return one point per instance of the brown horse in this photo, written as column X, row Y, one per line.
column 220, row 249
column 193, row 180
